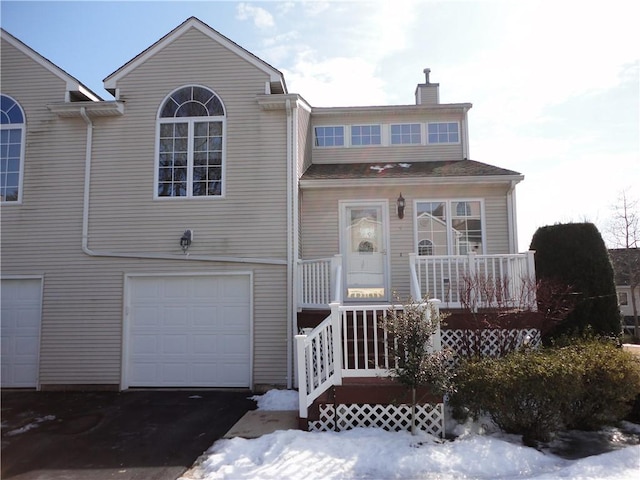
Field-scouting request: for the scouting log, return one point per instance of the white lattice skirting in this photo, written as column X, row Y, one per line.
column 493, row 342
column 429, row 417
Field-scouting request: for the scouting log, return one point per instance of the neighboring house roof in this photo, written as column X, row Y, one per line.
column 276, row 77
column 77, row 91
column 625, row 262
column 414, row 170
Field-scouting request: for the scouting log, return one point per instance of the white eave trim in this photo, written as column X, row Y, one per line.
column 72, row 84
column 392, row 109
column 367, row 182
column 110, row 83
column 92, row 109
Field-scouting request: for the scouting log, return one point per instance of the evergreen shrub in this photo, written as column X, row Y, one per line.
column 585, row 385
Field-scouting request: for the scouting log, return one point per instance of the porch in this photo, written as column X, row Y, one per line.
column 342, row 355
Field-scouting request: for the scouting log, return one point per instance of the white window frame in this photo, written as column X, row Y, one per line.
column 421, row 142
column 23, row 133
column 360, row 125
column 448, row 217
column 191, row 121
column 345, row 139
column 443, row 143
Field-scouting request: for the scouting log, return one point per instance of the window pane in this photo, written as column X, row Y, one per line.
column 432, row 227
column 214, row 106
column 192, row 109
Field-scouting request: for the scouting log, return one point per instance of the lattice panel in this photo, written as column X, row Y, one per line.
column 490, row 342
column 429, row 417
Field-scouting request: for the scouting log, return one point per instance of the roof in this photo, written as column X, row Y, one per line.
column 77, row 90
column 276, row 77
column 408, row 170
column 626, row 263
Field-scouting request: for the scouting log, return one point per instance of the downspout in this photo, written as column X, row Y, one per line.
column 154, row 256
column 511, row 214
column 290, row 244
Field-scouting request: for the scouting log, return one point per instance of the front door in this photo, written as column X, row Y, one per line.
column 364, row 251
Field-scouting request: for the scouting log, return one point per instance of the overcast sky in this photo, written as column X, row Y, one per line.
column 555, row 85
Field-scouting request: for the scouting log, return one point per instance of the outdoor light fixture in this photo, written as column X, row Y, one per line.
column 185, row 240
column 400, row 206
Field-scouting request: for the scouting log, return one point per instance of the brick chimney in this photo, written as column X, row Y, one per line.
column 427, row 93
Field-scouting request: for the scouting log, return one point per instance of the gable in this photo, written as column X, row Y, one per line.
column 275, row 84
column 75, row 91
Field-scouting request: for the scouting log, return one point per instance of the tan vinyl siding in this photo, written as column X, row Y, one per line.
column 320, row 213
column 83, row 297
column 305, row 140
column 387, row 153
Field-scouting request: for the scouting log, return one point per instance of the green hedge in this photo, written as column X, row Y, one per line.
column 585, row 385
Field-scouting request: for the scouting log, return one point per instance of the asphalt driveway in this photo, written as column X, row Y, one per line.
column 150, row 435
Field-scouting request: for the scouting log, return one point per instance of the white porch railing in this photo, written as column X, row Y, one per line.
column 351, row 342
column 319, row 281
column 475, row 281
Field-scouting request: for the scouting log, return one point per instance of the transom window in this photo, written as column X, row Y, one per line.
column 12, row 127
column 406, row 134
column 329, row 136
column 365, row 135
column 191, row 143
column 443, row 132
column 449, row 227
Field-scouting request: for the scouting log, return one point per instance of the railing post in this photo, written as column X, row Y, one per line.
column 336, row 332
column 416, row 292
column 473, row 281
column 436, row 339
column 531, row 272
column 336, row 282
column 302, row 376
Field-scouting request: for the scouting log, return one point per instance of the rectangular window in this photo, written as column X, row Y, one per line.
column 623, row 298
column 443, row 132
column 10, row 148
column 365, row 135
column 449, row 227
column 329, row 136
column 406, row 134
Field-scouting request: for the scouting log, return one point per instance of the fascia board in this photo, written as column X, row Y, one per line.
column 111, row 81
column 391, row 109
column 93, row 109
column 71, row 84
column 381, row 182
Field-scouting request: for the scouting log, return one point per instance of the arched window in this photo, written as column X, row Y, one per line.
column 425, row 247
column 191, row 141
column 12, row 127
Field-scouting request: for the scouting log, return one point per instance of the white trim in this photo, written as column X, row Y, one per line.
column 126, row 315
column 72, row 84
column 190, row 154
column 23, row 145
column 274, row 75
column 422, row 181
column 448, row 217
column 384, row 206
column 41, row 278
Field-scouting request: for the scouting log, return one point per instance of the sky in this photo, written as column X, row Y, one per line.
column 555, row 84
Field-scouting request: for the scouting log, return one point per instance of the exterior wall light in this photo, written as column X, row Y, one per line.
column 186, row 239
column 400, row 206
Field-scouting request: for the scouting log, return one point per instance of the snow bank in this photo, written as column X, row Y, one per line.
column 277, row 400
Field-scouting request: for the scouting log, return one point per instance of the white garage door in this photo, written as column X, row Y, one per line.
column 189, row 331
column 20, row 319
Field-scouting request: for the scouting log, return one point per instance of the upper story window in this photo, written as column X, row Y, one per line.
column 12, row 133
column 365, row 135
column 443, row 132
column 623, row 299
column 406, row 134
column 191, row 144
column 449, row 227
column 332, row 136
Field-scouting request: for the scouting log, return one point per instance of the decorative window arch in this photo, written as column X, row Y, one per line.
column 191, row 144
column 425, row 247
column 12, row 133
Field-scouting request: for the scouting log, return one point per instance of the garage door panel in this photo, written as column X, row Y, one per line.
column 20, row 318
column 201, row 331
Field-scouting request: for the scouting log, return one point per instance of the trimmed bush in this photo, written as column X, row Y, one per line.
column 574, row 254
column 585, row 386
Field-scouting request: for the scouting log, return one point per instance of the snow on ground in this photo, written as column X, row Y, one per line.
column 478, row 452
column 31, row 425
